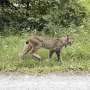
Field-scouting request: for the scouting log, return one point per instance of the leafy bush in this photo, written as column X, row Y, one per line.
column 39, row 14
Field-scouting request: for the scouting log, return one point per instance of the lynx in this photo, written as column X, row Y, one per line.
column 54, row 45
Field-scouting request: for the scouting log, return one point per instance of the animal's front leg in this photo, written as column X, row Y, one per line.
column 58, row 55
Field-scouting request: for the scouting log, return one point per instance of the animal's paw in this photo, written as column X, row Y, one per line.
column 35, row 56
column 60, row 63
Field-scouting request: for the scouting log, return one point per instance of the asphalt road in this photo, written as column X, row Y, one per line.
column 44, row 82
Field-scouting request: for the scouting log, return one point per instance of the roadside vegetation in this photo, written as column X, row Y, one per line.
column 73, row 19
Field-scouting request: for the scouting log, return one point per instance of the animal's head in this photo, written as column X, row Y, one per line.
column 67, row 40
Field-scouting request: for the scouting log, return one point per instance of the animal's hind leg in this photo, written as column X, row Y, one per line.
column 32, row 50
column 34, row 55
column 26, row 49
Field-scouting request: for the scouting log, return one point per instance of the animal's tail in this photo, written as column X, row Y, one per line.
column 27, row 42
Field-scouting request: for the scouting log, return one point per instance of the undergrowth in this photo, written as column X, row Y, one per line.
column 75, row 57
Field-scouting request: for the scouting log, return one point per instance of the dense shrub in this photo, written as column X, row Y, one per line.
column 39, row 14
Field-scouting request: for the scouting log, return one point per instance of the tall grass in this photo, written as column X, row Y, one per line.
column 75, row 57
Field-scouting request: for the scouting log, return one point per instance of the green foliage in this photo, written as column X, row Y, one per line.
column 75, row 57
column 27, row 13
column 52, row 17
column 70, row 13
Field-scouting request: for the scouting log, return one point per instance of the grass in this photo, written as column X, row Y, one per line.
column 75, row 57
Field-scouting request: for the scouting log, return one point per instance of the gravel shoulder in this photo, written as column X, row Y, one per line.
column 53, row 81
